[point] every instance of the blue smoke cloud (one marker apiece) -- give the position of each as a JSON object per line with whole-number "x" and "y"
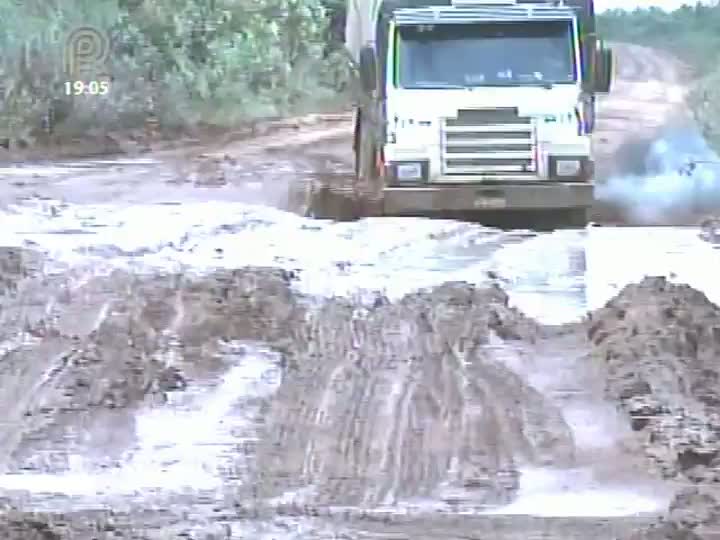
{"x": 682, "y": 177}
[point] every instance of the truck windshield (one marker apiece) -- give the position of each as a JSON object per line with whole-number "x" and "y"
{"x": 497, "y": 54}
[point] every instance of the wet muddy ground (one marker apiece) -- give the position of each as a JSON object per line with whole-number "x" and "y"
{"x": 184, "y": 353}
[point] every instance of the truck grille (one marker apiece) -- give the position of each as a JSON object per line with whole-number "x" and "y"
{"x": 488, "y": 142}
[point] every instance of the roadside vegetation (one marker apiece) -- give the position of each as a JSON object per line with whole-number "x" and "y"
{"x": 189, "y": 64}
{"x": 184, "y": 63}
{"x": 691, "y": 33}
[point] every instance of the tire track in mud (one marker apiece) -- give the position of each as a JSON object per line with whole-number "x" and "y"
{"x": 144, "y": 318}
{"x": 466, "y": 236}
{"x": 28, "y": 333}
{"x": 494, "y": 382}
{"x": 52, "y": 362}
{"x": 147, "y": 295}
{"x": 454, "y": 389}
{"x": 404, "y": 351}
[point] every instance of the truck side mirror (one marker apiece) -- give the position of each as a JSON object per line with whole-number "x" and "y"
{"x": 368, "y": 68}
{"x": 604, "y": 69}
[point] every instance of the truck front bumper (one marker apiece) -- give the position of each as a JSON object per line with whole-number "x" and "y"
{"x": 439, "y": 198}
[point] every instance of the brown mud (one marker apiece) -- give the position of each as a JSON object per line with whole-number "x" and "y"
{"x": 376, "y": 405}
{"x": 662, "y": 361}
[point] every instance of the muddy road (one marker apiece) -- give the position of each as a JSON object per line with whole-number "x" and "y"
{"x": 185, "y": 353}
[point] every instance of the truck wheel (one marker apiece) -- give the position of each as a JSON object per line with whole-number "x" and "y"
{"x": 367, "y": 192}
{"x": 357, "y": 137}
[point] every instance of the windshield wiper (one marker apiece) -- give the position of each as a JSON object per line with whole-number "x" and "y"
{"x": 546, "y": 85}
{"x": 438, "y": 86}
{"x": 443, "y": 86}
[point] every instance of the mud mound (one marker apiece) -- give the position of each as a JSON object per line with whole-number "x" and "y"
{"x": 15, "y": 525}
{"x": 694, "y": 515}
{"x": 16, "y": 264}
{"x": 140, "y": 523}
{"x": 146, "y": 337}
{"x": 402, "y": 401}
{"x": 660, "y": 343}
{"x": 665, "y": 531}
{"x": 694, "y": 508}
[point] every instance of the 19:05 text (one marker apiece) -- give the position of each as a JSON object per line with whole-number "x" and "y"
{"x": 93, "y": 88}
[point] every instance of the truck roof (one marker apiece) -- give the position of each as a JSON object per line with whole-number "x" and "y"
{"x": 466, "y": 12}
{"x": 387, "y": 7}
{"x": 364, "y": 17}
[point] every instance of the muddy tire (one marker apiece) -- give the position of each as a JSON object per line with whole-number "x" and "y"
{"x": 368, "y": 188}
{"x": 574, "y": 218}
{"x": 326, "y": 203}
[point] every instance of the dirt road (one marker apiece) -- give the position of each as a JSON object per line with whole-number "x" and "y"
{"x": 645, "y": 139}
{"x": 648, "y": 95}
{"x": 184, "y": 354}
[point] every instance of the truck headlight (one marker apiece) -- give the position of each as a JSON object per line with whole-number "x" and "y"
{"x": 568, "y": 167}
{"x": 572, "y": 168}
{"x": 408, "y": 171}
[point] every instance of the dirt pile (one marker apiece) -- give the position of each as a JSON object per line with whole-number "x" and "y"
{"x": 375, "y": 404}
{"x": 401, "y": 401}
{"x": 73, "y": 379}
{"x": 694, "y": 514}
{"x": 16, "y": 264}
{"x": 77, "y": 376}
{"x": 16, "y": 525}
{"x": 660, "y": 343}
{"x": 141, "y": 523}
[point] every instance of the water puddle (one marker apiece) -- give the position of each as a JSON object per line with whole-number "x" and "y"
{"x": 573, "y": 493}
{"x": 554, "y": 277}
{"x": 559, "y": 277}
{"x": 601, "y": 480}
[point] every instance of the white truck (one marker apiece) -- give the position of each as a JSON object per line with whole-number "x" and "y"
{"x": 476, "y": 105}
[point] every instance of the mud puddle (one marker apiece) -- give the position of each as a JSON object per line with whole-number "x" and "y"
{"x": 560, "y": 276}
{"x": 601, "y": 479}
{"x": 554, "y": 277}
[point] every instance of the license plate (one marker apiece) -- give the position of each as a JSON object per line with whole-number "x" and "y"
{"x": 482, "y": 201}
{"x": 409, "y": 171}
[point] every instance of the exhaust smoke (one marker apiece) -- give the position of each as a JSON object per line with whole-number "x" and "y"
{"x": 676, "y": 177}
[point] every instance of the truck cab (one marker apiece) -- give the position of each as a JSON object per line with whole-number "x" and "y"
{"x": 474, "y": 105}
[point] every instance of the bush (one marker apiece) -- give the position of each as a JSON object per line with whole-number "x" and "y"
{"x": 184, "y": 61}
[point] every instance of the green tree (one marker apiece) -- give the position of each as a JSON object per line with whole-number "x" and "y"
{"x": 216, "y": 61}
